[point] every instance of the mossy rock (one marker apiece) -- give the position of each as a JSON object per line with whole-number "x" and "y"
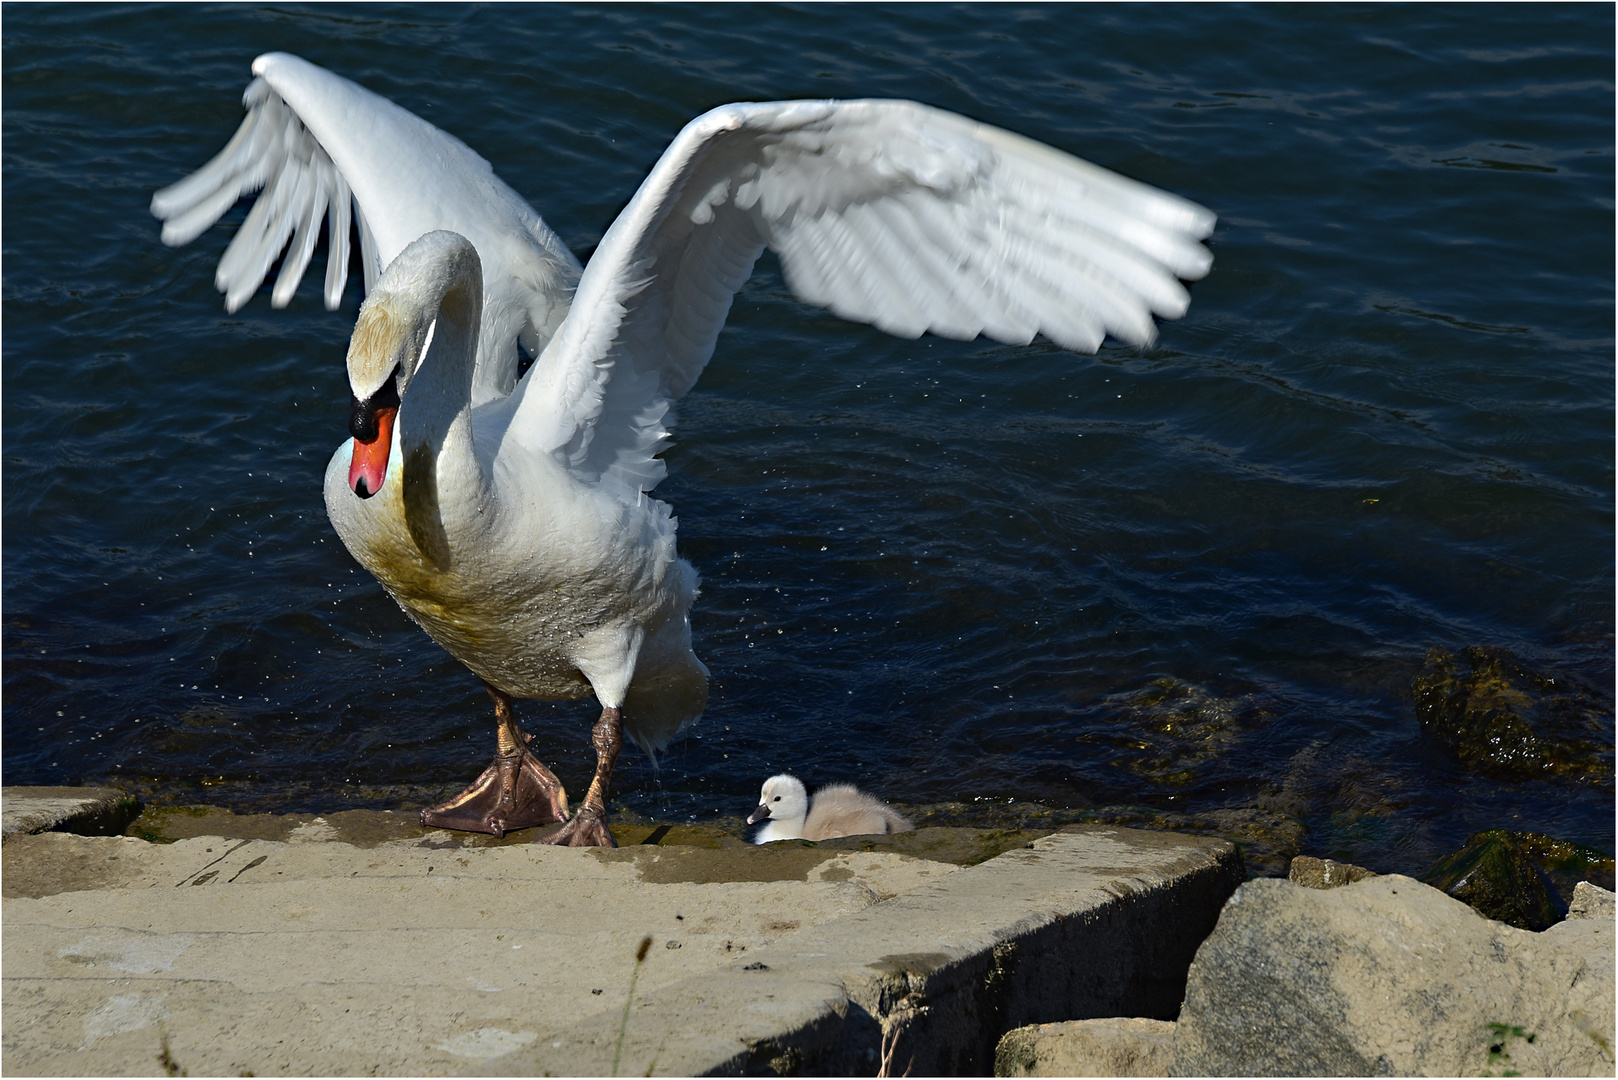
{"x": 1267, "y": 839}
{"x": 712, "y": 835}
{"x": 1499, "y": 718}
{"x": 1522, "y": 879}
{"x": 958, "y": 845}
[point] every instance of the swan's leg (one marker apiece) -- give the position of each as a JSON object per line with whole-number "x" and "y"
{"x": 589, "y": 826}
{"x": 515, "y": 792}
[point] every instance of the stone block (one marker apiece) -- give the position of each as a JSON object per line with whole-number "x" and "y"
{"x": 1314, "y": 873}
{"x": 1092, "y": 921}
{"x": 309, "y": 955}
{"x": 1112, "y": 1046}
{"x": 1388, "y": 976}
{"x": 1591, "y": 902}
{"x": 89, "y": 811}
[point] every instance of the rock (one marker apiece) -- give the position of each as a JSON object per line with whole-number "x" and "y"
{"x": 1388, "y": 976}
{"x": 1314, "y": 873}
{"x": 1590, "y": 902}
{"x": 1519, "y": 878}
{"x": 1267, "y": 839}
{"x": 1499, "y": 881}
{"x": 1115, "y": 1046}
{"x": 1501, "y": 719}
{"x": 961, "y": 846}
{"x": 89, "y": 811}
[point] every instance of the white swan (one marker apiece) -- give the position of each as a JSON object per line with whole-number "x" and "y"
{"x": 837, "y": 810}
{"x": 516, "y": 527}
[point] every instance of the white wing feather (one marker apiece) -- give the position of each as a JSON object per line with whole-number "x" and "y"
{"x": 314, "y": 143}
{"x": 886, "y": 212}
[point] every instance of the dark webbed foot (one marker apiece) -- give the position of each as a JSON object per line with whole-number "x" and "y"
{"x": 515, "y": 792}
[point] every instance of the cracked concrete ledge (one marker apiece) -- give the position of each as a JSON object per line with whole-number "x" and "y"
{"x": 90, "y": 811}
{"x": 1091, "y": 921}
{"x": 313, "y": 956}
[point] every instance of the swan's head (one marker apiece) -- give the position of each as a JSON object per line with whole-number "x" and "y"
{"x": 374, "y": 371}
{"x": 439, "y": 275}
{"x": 783, "y": 798}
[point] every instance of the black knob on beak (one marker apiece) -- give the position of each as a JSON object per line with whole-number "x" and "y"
{"x": 362, "y": 414}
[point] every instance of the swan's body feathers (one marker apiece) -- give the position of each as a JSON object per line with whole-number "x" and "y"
{"x": 533, "y": 580}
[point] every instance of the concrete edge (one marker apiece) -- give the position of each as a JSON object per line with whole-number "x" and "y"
{"x": 88, "y": 811}
{"x": 1079, "y": 924}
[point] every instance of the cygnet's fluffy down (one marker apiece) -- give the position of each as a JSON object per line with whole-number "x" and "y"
{"x": 837, "y": 810}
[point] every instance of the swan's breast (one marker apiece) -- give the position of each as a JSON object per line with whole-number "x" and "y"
{"x": 510, "y": 617}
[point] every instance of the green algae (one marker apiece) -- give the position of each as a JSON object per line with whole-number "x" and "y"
{"x": 1519, "y": 878}
{"x": 1500, "y": 718}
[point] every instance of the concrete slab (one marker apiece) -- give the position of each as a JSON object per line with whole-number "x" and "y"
{"x": 90, "y": 810}
{"x": 1093, "y": 921}
{"x": 320, "y": 957}
{"x": 311, "y": 956}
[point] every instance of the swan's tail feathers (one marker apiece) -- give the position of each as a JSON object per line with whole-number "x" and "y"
{"x": 661, "y": 706}
{"x": 670, "y": 687}
{"x": 274, "y": 154}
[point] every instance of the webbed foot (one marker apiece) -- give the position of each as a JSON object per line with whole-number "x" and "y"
{"x": 587, "y": 829}
{"x": 515, "y": 792}
{"x": 589, "y": 826}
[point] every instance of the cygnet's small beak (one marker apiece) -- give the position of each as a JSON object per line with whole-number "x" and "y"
{"x": 759, "y": 815}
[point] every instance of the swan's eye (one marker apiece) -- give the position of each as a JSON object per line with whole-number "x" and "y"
{"x": 776, "y": 799}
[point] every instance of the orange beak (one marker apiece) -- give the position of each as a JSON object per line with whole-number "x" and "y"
{"x": 368, "y": 465}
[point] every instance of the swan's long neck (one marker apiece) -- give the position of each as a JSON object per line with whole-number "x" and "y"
{"x": 419, "y": 327}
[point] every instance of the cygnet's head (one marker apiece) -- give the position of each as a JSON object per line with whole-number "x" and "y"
{"x": 783, "y": 798}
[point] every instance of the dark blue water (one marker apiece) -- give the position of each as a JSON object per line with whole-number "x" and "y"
{"x": 1192, "y": 578}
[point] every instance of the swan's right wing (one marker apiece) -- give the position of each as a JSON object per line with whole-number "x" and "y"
{"x": 887, "y": 212}
{"x": 314, "y": 144}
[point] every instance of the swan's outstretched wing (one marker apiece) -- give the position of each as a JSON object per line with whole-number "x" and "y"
{"x": 314, "y": 142}
{"x": 886, "y": 212}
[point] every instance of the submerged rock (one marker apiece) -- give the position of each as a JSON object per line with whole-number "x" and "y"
{"x": 1522, "y": 879}
{"x": 1388, "y": 976}
{"x": 1501, "y": 719}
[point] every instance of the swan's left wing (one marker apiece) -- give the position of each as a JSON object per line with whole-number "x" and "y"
{"x": 275, "y": 151}
{"x": 887, "y": 212}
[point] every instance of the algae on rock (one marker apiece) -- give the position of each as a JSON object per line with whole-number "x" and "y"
{"x": 1519, "y": 878}
{"x": 1499, "y": 718}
